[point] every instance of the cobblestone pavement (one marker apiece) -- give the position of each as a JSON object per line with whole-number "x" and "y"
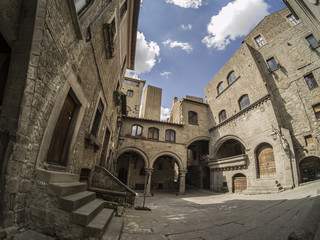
{"x": 204, "y": 215}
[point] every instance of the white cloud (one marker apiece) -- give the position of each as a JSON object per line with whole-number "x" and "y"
{"x": 132, "y": 74}
{"x": 184, "y": 46}
{"x": 186, "y": 3}
{"x": 234, "y": 20}
{"x": 186, "y": 27}
{"x": 165, "y": 113}
{"x": 146, "y": 54}
{"x": 165, "y": 74}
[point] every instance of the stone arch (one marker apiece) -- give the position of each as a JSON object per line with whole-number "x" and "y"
{"x": 136, "y": 150}
{"x": 309, "y": 169}
{"x": 171, "y": 154}
{"x": 204, "y": 138}
{"x": 265, "y": 161}
{"x": 223, "y": 139}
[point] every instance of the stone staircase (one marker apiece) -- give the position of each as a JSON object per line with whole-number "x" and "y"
{"x": 84, "y": 214}
{"x": 264, "y": 186}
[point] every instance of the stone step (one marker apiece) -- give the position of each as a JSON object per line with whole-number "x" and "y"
{"x": 64, "y": 189}
{"x": 120, "y": 211}
{"x": 55, "y": 177}
{"x": 114, "y": 229}
{"x": 251, "y": 191}
{"x": 77, "y": 200}
{"x": 86, "y": 213}
{"x": 98, "y": 225}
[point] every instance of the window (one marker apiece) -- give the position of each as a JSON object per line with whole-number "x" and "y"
{"x": 170, "y": 135}
{"x": 192, "y": 117}
{"x": 153, "y": 133}
{"x": 244, "y": 102}
{"x": 312, "y": 41}
{"x": 220, "y": 87}
{"x": 293, "y": 19}
{"x": 81, "y": 5}
{"x": 222, "y": 116}
{"x": 311, "y": 82}
{"x": 136, "y": 130}
{"x": 272, "y": 64}
{"x": 259, "y": 40}
{"x": 109, "y": 30}
{"x": 123, "y": 9}
{"x": 231, "y": 77}
{"x": 308, "y": 140}
{"x": 129, "y": 93}
{"x": 316, "y": 109}
{"x": 97, "y": 119}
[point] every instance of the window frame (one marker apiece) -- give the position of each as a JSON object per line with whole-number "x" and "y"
{"x": 247, "y": 101}
{"x": 135, "y": 129}
{"x": 316, "y": 110}
{"x": 152, "y": 131}
{"x": 313, "y": 43}
{"x": 310, "y": 81}
{"x": 222, "y": 115}
{"x": 231, "y": 77}
{"x": 220, "y": 88}
{"x": 273, "y": 61}
{"x": 97, "y": 118}
{"x": 83, "y": 8}
{"x": 260, "y": 41}
{"x": 129, "y": 93}
{"x": 171, "y": 137}
{"x": 123, "y": 9}
{"x": 293, "y": 20}
{"x": 193, "y": 119}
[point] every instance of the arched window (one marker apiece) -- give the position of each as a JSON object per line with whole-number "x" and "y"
{"x": 153, "y": 133}
{"x": 170, "y": 135}
{"x": 136, "y": 130}
{"x": 231, "y": 77}
{"x": 192, "y": 117}
{"x": 244, "y": 102}
{"x": 220, "y": 87}
{"x": 129, "y": 93}
{"x": 222, "y": 116}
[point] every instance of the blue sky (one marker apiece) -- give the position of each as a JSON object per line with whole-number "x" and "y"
{"x": 182, "y": 44}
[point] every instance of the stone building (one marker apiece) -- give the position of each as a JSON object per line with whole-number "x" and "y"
{"x": 62, "y": 69}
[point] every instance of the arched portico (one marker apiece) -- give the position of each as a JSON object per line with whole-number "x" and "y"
{"x": 224, "y": 139}
{"x": 309, "y": 168}
{"x": 136, "y": 150}
{"x": 201, "y": 138}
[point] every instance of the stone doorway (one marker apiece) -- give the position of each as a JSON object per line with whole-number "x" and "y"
{"x": 309, "y": 169}
{"x": 266, "y": 166}
{"x": 239, "y": 183}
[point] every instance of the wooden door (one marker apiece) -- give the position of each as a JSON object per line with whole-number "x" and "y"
{"x": 59, "y": 142}
{"x": 239, "y": 184}
{"x": 266, "y": 163}
{"x": 105, "y": 149}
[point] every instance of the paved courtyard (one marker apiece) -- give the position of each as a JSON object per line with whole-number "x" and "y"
{"x": 204, "y": 215}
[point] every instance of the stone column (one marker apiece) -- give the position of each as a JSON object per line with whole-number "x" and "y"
{"x": 147, "y": 183}
{"x": 130, "y": 169}
{"x": 182, "y": 187}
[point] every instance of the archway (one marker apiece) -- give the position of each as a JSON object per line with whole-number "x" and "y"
{"x": 230, "y": 148}
{"x": 266, "y": 166}
{"x": 165, "y": 175}
{"x": 131, "y": 170}
{"x": 239, "y": 183}
{"x": 309, "y": 169}
{"x": 198, "y": 175}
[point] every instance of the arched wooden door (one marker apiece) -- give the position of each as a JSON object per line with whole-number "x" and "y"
{"x": 239, "y": 183}
{"x": 265, "y": 160}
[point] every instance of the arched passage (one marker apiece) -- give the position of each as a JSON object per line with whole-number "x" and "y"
{"x": 130, "y": 169}
{"x": 265, "y": 160}
{"x": 198, "y": 175}
{"x": 309, "y": 169}
{"x": 239, "y": 183}
{"x": 230, "y": 148}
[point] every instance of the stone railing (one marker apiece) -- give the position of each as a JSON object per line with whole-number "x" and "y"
{"x": 110, "y": 188}
{"x": 229, "y": 163}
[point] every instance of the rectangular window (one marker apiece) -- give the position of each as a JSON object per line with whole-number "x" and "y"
{"x": 272, "y": 64}
{"x": 309, "y": 140}
{"x": 316, "y": 109}
{"x": 110, "y": 31}
{"x": 293, "y": 19}
{"x": 311, "y": 82}
{"x": 259, "y": 40}
{"x": 312, "y": 41}
{"x": 97, "y": 119}
{"x": 123, "y": 9}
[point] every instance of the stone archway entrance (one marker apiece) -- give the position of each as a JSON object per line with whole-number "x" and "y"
{"x": 265, "y": 161}
{"x": 309, "y": 169}
{"x": 198, "y": 175}
{"x": 131, "y": 170}
{"x": 239, "y": 183}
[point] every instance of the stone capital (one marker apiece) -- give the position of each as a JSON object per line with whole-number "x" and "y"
{"x": 149, "y": 170}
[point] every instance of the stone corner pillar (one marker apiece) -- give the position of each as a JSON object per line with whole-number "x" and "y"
{"x": 147, "y": 183}
{"x": 182, "y": 187}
